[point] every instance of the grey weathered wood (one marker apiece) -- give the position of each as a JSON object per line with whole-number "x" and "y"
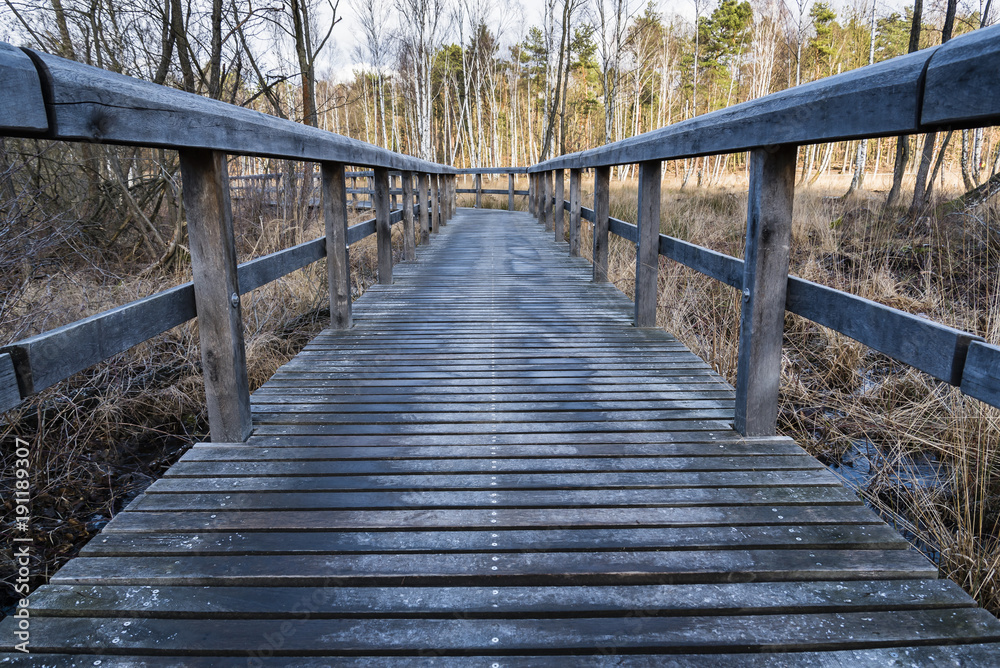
{"x": 602, "y": 184}
{"x": 981, "y": 378}
{"x": 409, "y": 240}
{"x": 574, "y": 212}
{"x": 721, "y": 267}
{"x": 558, "y": 205}
{"x": 354, "y": 193}
{"x": 479, "y": 190}
{"x": 338, "y": 266}
{"x": 491, "y": 170}
{"x": 383, "y": 226}
{"x": 22, "y": 108}
{"x": 877, "y": 100}
{"x": 961, "y": 83}
{"x": 216, "y": 289}
{"x": 647, "y": 256}
{"x": 10, "y": 395}
{"x": 765, "y": 276}
{"x": 435, "y": 204}
{"x": 91, "y": 104}
{"x": 452, "y": 195}
{"x": 510, "y": 192}
{"x": 531, "y": 193}
{"x": 547, "y": 194}
{"x": 425, "y": 201}
{"x": 392, "y": 192}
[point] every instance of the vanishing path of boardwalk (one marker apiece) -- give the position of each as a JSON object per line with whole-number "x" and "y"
{"x": 494, "y": 462}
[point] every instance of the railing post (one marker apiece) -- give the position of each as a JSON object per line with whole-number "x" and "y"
{"x": 425, "y": 205}
{"x": 548, "y": 190}
{"x": 338, "y": 268}
{"x": 354, "y": 194}
{"x": 479, "y": 190}
{"x": 647, "y": 252}
{"x": 574, "y": 212}
{"x": 452, "y": 196}
{"x": 216, "y": 290}
{"x": 435, "y": 206}
{"x": 602, "y": 183}
{"x": 409, "y": 240}
{"x": 510, "y": 191}
{"x": 531, "y": 194}
{"x": 765, "y": 276}
{"x": 558, "y": 208}
{"x": 392, "y": 193}
{"x": 383, "y": 228}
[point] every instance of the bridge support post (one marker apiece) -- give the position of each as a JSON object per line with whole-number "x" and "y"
{"x": 452, "y": 195}
{"x": 602, "y": 185}
{"x": 216, "y": 291}
{"x": 558, "y": 208}
{"x": 531, "y": 194}
{"x": 510, "y": 191}
{"x": 574, "y": 212}
{"x": 383, "y": 226}
{"x": 392, "y": 194}
{"x": 409, "y": 240}
{"x": 425, "y": 205}
{"x": 479, "y": 191}
{"x": 435, "y": 206}
{"x": 765, "y": 276}
{"x": 338, "y": 268}
{"x": 540, "y": 198}
{"x": 548, "y": 189}
{"x": 647, "y": 252}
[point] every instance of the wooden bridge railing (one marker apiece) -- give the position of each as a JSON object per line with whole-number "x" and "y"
{"x": 956, "y": 85}
{"x": 46, "y": 97}
{"x": 478, "y": 172}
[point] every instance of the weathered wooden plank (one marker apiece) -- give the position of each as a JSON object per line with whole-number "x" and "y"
{"x": 479, "y": 190}
{"x": 510, "y": 192}
{"x": 383, "y": 227}
{"x": 879, "y": 100}
{"x": 484, "y": 191}
{"x": 362, "y": 230}
{"x": 765, "y": 275}
{"x": 424, "y": 208}
{"x": 338, "y": 266}
{"x": 409, "y": 238}
{"x": 91, "y": 104}
{"x": 216, "y": 287}
{"x": 10, "y": 395}
{"x": 547, "y": 195}
{"x": 602, "y": 192}
{"x": 558, "y": 205}
{"x": 960, "y": 86}
{"x": 22, "y": 108}
{"x": 721, "y": 267}
{"x": 647, "y": 256}
{"x": 435, "y": 204}
{"x": 491, "y": 170}
{"x": 981, "y": 378}
{"x": 574, "y": 212}
{"x": 531, "y": 193}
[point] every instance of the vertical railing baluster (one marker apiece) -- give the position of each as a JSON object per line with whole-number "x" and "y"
{"x": 479, "y": 190}
{"x": 425, "y": 202}
{"x": 547, "y": 195}
{"x": 409, "y": 239}
{"x": 574, "y": 212}
{"x": 338, "y": 269}
{"x": 435, "y": 205}
{"x": 531, "y": 194}
{"x": 354, "y": 194}
{"x": 383, "y": 227}
{"x": 216, "y": 288}
{"x": 765, "y": 276}
{"x": 510, "y": 191}
{"x": 558, "y": 206}
{"x": 602, "y": 183}
{"x": 647, "y": 252}
{"x": 452, "y": 196}
{"x": 392, "y": 192}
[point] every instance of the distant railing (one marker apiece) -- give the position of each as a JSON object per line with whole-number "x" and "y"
{"x": 955, "y": 85}
{"x": 46, "y": 97}
{"x": 477, "y": 188}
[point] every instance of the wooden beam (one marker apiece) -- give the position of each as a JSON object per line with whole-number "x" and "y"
{"x": 216, "y": 289}
{"x": 425, "y": 201}
{"x": 961, "y": 83}
{"x": 647, "y": 255}
{"x": 22, "y": 108}
{"x": 558, "y": 206}
{"x": 549, "y": 190}
{"x": 531, "y": 193}
{"x": 765, "y": 277}
{"x": 981, "y": 378}
{"x": 10, "y": 395}
{"x": 435, "y": 205}
{"x": 409, "y": 239}
{"x": 510, "y": 192}
{"x": 338, "y": 266}
{"x": 383, "y": 227}
{"x": 479, "y": 190}
{"x": 574, "y": 212}
{"x": 602, "y": 183}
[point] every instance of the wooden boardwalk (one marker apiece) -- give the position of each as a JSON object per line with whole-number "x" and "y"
{"x": 494, "y": 468}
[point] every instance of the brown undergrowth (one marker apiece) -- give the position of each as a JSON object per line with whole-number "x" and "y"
{"x": 101, "y": 437}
